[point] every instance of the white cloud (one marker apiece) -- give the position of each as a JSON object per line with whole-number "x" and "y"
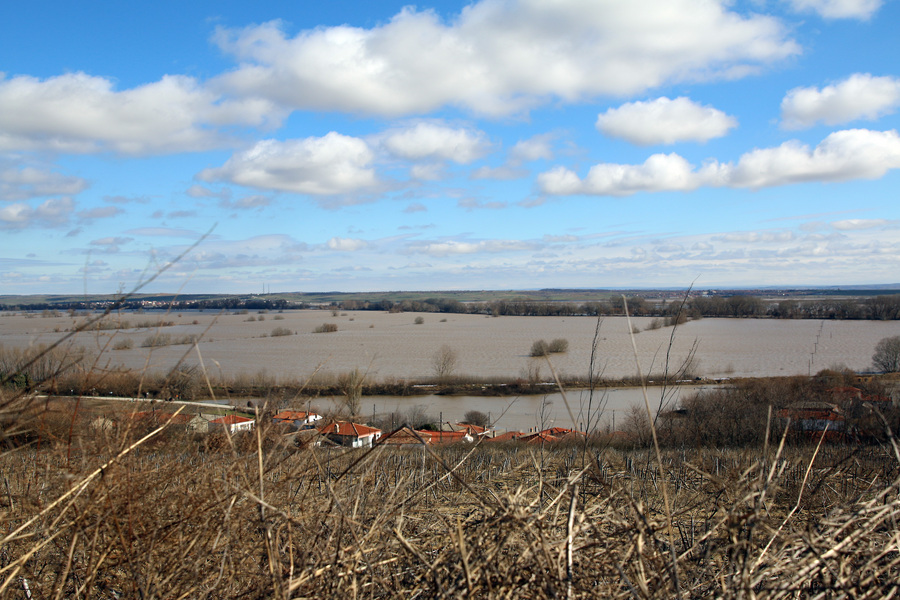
{"x": 665, "y": 121}
{"x": 346, "y": 244}
{"x": 80, "y": 113}
{"x": 842, "y": 156}
{"x": 860, "y": 96}
{"x": 429, "y": 140}
{"x": 453, "y": 247}
{"x": 660, "y": 172}
{"x": 50, "y": 213}
{"x": 499, "y": 57}
{"x": 838, "y": 9}
{"x": 534, "y": 148}
{"x": 332, "y": 164}
{"x": 22, "y": 183}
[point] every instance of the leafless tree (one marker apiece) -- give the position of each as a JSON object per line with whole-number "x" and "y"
{"x": 444, "y": 361}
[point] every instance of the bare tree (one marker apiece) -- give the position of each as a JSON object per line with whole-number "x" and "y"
{"x": 887, "y": 354}
{"x": 476, "y": 417}
{"x": 444, "y": 361}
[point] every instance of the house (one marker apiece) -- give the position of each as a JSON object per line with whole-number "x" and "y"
{"x": 349, "y": 434}
{"x": 405, "y": 436}
{"x": 448, "y": 437}
{"x": 509, "y": 436}
{"x": 298, "y": 419}
{"x": 231, "y": 424}
{"x": 815, "y": 417}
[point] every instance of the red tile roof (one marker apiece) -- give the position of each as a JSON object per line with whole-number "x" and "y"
{"x": 348, "y": 429}
{"x": 407, "y": 436}
{"x": 505, "y": 437}
{"x": 445, "y": 437}
{"x": 294, "y": 415}
{"x": 231, "y": 420}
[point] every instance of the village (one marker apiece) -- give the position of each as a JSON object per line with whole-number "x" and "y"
{"x": 843, "y": 413}
{"x": 311, "y": 429}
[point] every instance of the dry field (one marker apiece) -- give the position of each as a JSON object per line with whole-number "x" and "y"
{"x": 92, "y": 513}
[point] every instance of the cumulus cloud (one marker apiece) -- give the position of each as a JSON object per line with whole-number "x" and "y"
{"x": 860, "y": 96}
{"x": 499, "y": 57}
{"x": 842, "y": 156}
{"x": 23, "y": 183}
{"x": 50, "y": 213}
{"x": 838, "y": 9}
{"x": 660, "y": 172}
{"x": 332, "y": 164}
{"x": 665, "y": 121}
{"x": 430, "y": 140}
{"x": 80, "y": 113}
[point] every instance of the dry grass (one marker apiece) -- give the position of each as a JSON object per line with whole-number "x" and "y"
{"x": 91, "y": 512}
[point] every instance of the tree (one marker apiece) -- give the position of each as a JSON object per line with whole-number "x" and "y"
{"x": 444, "y": 361}
{"x": 887, "y": 354}
{"x": 476, "y": 417}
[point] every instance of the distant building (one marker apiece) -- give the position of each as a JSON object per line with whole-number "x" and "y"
{"x": 349, "y": 434}
{"x": 231, "y": 423}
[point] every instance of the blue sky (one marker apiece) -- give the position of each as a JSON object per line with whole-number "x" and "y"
{"x": 501, "y": 144}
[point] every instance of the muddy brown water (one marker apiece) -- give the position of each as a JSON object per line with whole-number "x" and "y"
{"x": 393, "y": 346}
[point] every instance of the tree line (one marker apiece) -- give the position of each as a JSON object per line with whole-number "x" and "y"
{"x": 885, "y": 307}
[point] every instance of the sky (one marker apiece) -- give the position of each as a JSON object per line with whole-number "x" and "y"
{"x": 499, "y": 144}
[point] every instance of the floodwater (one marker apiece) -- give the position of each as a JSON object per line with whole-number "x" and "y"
{"x": 607, "y": 408}
{"x": 393, "y": 347}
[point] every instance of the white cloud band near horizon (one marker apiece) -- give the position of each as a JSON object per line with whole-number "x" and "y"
{"x": 842, "y": 156}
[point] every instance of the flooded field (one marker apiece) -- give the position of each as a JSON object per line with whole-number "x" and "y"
{"x": 394, "y": 346}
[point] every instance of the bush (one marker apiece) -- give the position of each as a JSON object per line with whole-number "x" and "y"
{"x": 157, "y": 340}
{"x": 558, "y": 345}
{"x": 124, "y": 344}
{"x": 281, "y": 331}
{"x": 420, "y": 320}
{"x": 326, "y": 328}
{"x": 540, "y": 348}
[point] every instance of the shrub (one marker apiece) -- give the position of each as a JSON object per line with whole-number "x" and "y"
{"x": 420, "y": 320}
{"x": 157, "y": 340}
{"x": 558, "y": 345}
{"x": 124, "y": 344}
{"x": 540, "y": 348}
{"x": 326, "y": 328}
{"x": 278, "y": 318}
{"x": 281, "y": 331}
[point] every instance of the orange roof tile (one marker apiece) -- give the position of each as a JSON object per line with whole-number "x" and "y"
{"x": 231, "y": 420}
{"x": 349, "y": 429}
